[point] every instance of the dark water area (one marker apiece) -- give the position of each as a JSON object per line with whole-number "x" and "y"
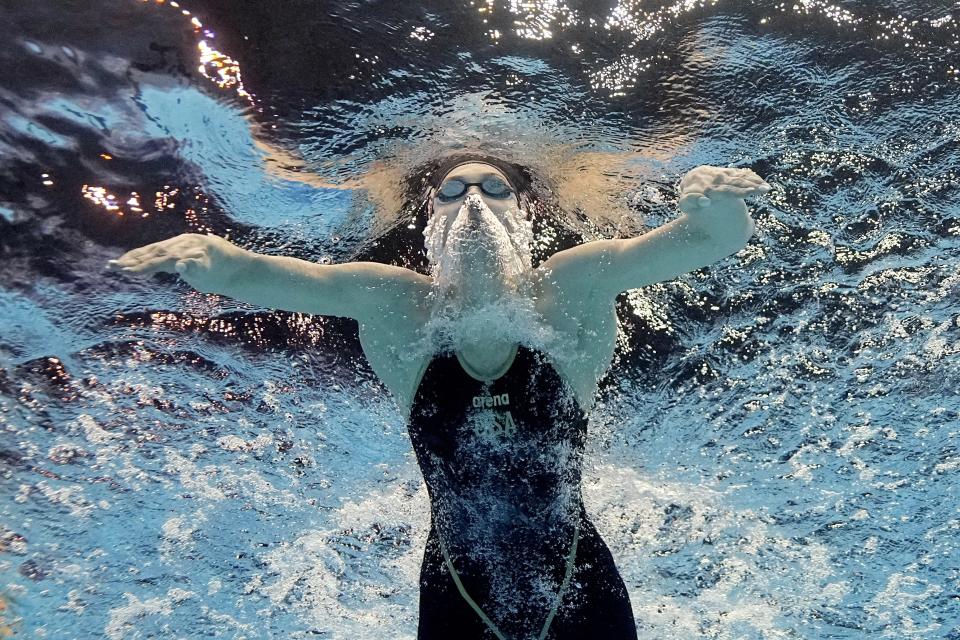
{"x": 775, "y": 454}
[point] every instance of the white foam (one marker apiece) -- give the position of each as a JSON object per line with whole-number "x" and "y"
{"x": 477, "y": 246}
{"x": 124, "y": 619}
{"x": 656, "y": 523}
{"x": 480, "y": 263}
{"x": 94, "y": 432}
{"x": 236, "y": 443}
{"x": 349, "y": 578}
{"x": 511, "y": 319}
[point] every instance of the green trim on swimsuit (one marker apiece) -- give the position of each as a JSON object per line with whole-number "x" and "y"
{"x": 560, "y": 593}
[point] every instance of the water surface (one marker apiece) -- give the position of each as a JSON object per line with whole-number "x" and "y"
{"x": 776, "y": 456}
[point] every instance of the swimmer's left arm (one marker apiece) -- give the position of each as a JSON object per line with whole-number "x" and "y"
{"x": 364, "y": 291}
{"x": 715, "y": 224}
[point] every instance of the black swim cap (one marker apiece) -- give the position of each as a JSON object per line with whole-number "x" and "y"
{"x": 518, "y": 177}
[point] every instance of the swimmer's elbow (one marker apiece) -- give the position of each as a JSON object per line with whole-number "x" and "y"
{"x": 670, "y": 251}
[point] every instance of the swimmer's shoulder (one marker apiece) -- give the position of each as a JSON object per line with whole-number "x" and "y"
{"x": 385, "y": 292}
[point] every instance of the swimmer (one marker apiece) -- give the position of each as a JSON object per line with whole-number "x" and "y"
{"x": 497, "y": 421}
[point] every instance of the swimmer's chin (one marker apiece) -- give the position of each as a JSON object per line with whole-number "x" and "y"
{"x": 454, "y": 293}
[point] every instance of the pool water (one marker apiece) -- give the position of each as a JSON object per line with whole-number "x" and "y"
{"x": 776, "y": 455}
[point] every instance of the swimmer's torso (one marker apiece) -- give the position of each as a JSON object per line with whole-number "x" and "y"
{"x": 502, "y": 464}
{"x": 587, "y": 330}
{"x": 511, "y": 445}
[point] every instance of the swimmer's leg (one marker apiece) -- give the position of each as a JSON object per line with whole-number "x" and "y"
{"x": 443, "y": 611}
{"x": 596, "y": 604}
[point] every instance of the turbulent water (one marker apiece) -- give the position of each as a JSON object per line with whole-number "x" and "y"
{"x": 776, "y": 455}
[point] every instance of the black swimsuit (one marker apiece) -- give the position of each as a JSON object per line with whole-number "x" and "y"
{"x": 502, "y": 464}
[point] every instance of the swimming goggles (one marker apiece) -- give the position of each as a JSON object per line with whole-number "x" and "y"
{"x": 493, "y": 187}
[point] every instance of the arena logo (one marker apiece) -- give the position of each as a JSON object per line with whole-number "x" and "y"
{"x": 486, "y": 402}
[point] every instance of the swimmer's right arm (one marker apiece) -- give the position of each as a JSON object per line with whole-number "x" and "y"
{"x": 211, "y": 264}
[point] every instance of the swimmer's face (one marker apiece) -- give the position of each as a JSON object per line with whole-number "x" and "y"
{"x": 484, "y": 180}
{"x": 477, "y": 226}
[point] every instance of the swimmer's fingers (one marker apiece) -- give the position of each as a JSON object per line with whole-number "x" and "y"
{"x": 133, "y": 256}
{"x": 743, "y": 174}
{"x": 739, "y": 189}
{"x": 183, "y": 262}
{"x": 156, "y": 264}
{"x": 715, "y": 199}
{"x": 146, "y": 257}
{"x": 147, "y": 252}
{"x": 702, "y": 176}
{"x": 705, "y": 177}
{"x": 742, "y": 181}
{"x": 729, "y": 185}
{"x": 208, "y": 263}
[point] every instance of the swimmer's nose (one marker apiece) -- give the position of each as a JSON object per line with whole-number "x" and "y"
{"x": 474, "y": 202}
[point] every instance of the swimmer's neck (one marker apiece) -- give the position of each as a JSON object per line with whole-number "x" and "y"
{"x": 481, "y": 282}
{"x": 478, "y": 291}
{"x": 483, "y": 347}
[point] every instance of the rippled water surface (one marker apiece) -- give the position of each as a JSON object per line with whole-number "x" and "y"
{"x": 776, "y": 455}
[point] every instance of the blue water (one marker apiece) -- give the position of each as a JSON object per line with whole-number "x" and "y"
{"x": 776, "y": 458}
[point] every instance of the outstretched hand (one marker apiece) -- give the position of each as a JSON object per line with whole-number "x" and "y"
{"x": 705, "y": 189}
{"x": 205, "y": 262}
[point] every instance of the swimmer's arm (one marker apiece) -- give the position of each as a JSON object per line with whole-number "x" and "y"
{"x": 360, "y": 290}
{"x": 715, "y": 224}
{"x": 364, "y": 291}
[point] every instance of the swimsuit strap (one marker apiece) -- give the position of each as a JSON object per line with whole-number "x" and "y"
{"x": 560, "y": 593}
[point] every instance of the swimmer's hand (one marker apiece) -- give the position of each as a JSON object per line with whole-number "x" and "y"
{"x": 208, "y": 263}
{"x": 710, "y": 195}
